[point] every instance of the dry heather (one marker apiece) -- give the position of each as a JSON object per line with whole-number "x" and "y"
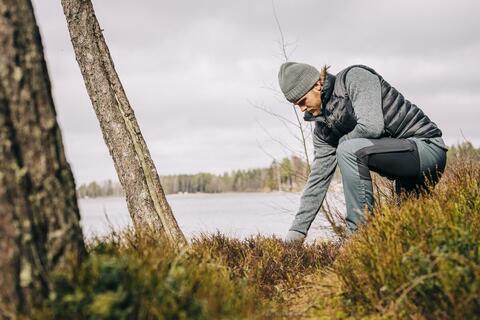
{"x": 420, "y": 260}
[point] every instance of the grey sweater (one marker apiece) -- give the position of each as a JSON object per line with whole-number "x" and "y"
{"x": 364, "y": 90}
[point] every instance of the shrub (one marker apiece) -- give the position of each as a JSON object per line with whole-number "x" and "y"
{"x": 140, "y": 276}
{"x": 126, "y": 277}
{"x": 269, "y": 264}
{"x": 421, "y": 259}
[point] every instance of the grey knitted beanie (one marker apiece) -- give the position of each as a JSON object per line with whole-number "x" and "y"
{"x": 296, "y": 79}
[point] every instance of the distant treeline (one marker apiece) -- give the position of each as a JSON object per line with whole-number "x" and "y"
{"x": 100, "y": 189}
{"x": 288, "y": 175}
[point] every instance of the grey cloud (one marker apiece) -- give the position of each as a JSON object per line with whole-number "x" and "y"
{"x": 190, "y": 68}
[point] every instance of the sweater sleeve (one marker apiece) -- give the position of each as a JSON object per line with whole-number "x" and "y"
{"x": 322, "y": 170}
{"x": 364, "y": 90}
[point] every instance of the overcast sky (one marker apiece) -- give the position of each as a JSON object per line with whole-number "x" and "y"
{"x": 193, "y": 69}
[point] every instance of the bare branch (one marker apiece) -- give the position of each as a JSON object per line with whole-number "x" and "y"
{"x": 280, "y": 142}
{"x": 282, "y": 38}
{"x": 303, "y": 138}
{"x": 278, "y": 116}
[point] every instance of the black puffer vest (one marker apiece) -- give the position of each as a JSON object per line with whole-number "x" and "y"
{"x": 402, "y": 119}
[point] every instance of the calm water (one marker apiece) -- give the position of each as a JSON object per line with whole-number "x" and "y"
{"x": 235, "y": 214}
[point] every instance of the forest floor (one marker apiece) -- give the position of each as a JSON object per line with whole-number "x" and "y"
{"x": 420, "y": 260}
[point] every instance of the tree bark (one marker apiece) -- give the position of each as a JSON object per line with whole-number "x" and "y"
{"x": 146, "y": 200}
{"x": 39, "y": 216}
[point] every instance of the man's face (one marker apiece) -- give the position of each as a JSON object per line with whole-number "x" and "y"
{"x": 311, "y": 102}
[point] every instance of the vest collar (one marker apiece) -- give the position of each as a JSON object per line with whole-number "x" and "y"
{"x": 326, "y": 93}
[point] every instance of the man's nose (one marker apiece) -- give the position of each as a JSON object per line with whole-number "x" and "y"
{"x": 303, "y": 108}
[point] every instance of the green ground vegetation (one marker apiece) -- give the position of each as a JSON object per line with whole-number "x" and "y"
{"x": 131, "y": 276}
{"x": 417, "y": 260}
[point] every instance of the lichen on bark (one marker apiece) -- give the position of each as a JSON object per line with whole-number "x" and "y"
{"x": 145, "y": 197}
{"x": 39, "y": 216}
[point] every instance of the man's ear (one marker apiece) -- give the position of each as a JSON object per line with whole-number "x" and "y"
{"x": 318, "y": 86}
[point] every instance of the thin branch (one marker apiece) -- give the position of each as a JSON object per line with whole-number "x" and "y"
{"x": 303, "y": 138}
{"x": 278, "y": 116}
{"x": 463, "y": 136}
{"x": 265, "y": 150}
{"x": 280, "y": 142}
{"x": 282, "y": 38}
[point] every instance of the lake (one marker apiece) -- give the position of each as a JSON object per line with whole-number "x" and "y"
{"x": 235, "y": 214}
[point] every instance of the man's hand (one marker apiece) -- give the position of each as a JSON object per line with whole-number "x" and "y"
{"x": 294, "y": 236}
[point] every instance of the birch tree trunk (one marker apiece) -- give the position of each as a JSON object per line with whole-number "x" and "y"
{"x": 146, "y": 200}
{"x": 39, "y": 216}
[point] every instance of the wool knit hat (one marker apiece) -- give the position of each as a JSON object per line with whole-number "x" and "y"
{"x": 296, "y": 79}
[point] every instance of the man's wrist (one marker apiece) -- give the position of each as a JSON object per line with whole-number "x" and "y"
{"x": 294, "y": 236}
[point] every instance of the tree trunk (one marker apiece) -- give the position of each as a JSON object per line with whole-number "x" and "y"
{"x": 39, "y": 216}
{"x": 146, "y": 200}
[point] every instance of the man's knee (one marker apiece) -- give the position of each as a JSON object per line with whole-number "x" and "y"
{"x": 348, "y": 148}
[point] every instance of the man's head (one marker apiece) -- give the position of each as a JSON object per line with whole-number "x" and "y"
{"x": 300, "y": 83}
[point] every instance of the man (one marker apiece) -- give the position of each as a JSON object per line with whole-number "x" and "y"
{"x": 361, "y": 123}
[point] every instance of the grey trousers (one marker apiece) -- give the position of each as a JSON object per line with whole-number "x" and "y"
{"x": 412, "y": 163}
